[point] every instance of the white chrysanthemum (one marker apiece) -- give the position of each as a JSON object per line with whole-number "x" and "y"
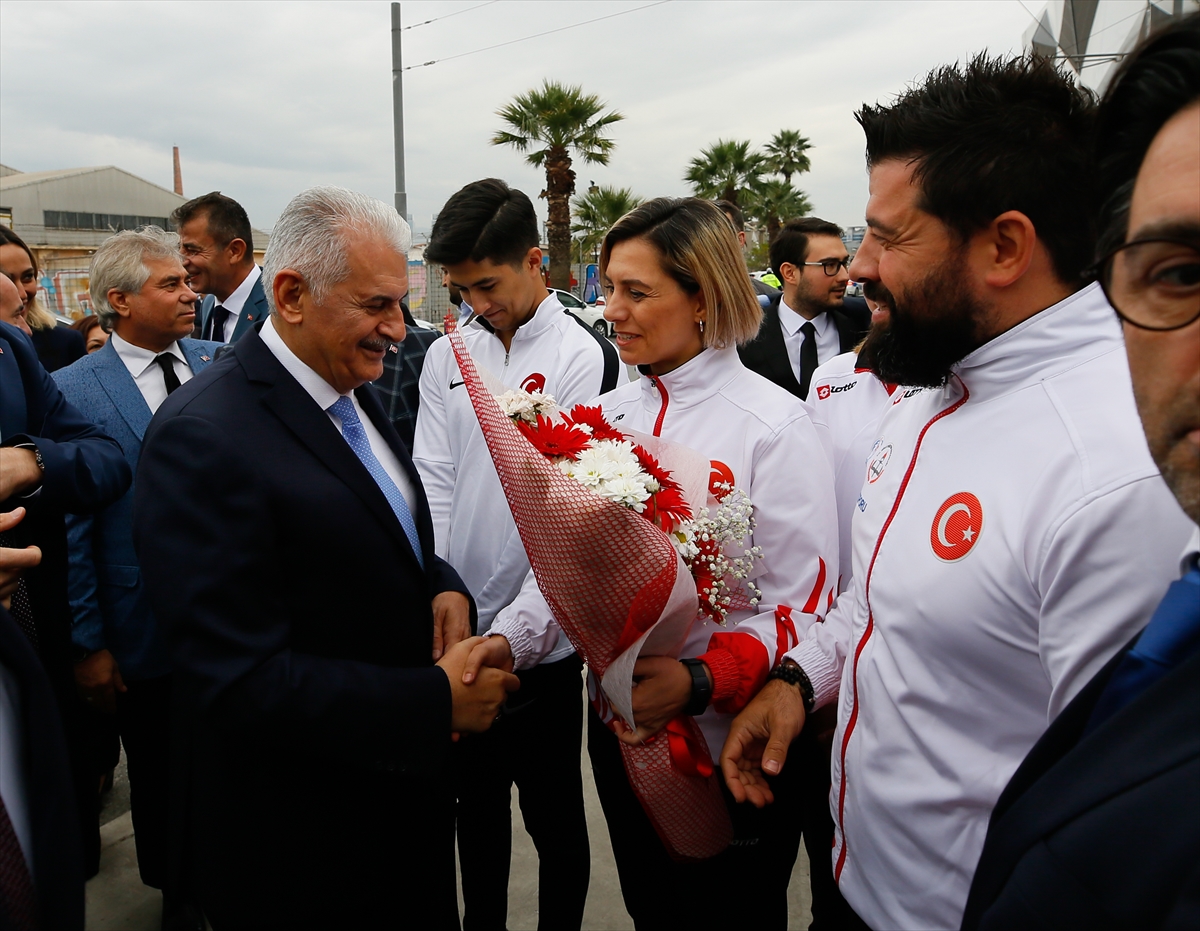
{"x": 523, "y": 405}
{"x": 626, "y": 491}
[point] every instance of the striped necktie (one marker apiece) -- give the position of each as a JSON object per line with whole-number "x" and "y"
{"x": 356, "y": 437}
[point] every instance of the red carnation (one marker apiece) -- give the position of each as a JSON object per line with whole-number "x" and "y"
{"x": 654, "y": 470}
{"x": 554, "y": 439}
{"x": 667, "y": 508}
{"x": 593, "y": 417}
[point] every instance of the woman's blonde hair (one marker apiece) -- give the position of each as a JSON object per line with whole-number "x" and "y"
{"x": 700, "y": 251}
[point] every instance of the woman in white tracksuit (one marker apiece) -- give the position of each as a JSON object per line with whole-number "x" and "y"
{"x": 680, "y": 301}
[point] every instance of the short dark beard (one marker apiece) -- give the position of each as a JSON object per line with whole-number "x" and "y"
{"x": 936, "y": 325}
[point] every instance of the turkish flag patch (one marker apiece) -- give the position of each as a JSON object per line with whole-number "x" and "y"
{"x": 956, "y": 527}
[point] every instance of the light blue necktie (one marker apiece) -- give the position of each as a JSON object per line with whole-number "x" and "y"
{"x": 356, "y": 437}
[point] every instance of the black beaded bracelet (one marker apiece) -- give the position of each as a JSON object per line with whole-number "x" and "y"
{"x": 792, "y": 674}
{"x": 701, "y": 687}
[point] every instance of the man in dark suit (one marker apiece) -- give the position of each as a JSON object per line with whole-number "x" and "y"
{"x": 1100, "y": 825}
{"x": 218, "y": 252}
{"x": 810, "y": 322}
{"x": 122, "y": 663}
{"x": 41, "y": 884}
{"x": 52, "y": 461}
{"x": 286, "y": 544}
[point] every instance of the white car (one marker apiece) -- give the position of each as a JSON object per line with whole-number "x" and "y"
{"x": 591, "y": 314}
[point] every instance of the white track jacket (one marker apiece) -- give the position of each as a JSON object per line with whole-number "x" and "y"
{"x": 1013, "y": 534}
{"x": 472, "y": 524}
{"x": 846, "y": 403}
{"x": 759, "y": 436}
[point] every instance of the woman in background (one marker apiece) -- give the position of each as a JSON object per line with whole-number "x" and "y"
{"x": 57, "y": 346}
{"x": 94, "y": 336}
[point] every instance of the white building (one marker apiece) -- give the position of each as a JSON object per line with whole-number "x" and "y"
{"x": 63, "y": 215}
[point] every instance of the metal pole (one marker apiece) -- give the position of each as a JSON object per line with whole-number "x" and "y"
{"x": 398, "y": 113}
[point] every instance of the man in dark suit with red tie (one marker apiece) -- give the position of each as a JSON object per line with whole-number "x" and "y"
{"x": 311, "y": 720}
{"x": 1100, "y": 825}
{"x": 810, "y": 322}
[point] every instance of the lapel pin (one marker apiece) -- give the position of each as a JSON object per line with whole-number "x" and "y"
{"x": 392, "y": 348}
{"x": 249, "y": 317}
{"x": 204, "y": 358}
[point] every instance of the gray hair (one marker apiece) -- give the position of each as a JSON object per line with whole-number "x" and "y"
{"x": 311, "y": 235}
{"x": 120, "y": 263}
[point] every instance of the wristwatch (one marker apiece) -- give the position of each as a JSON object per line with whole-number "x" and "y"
{"x": 792, "y": 674}
{"x": 701, "y": 687}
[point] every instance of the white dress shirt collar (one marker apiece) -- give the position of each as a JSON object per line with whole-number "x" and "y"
{"x": 137, "y": 359}
{"x": 792, "y": 320}
{"x": 325, "y": 395}
{"x": 148, "y": 377}
{"x": 237, "y": 300}
{"x": 314, "y": 385}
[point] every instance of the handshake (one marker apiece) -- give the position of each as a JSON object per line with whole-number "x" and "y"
{"x": 476, "y": 695}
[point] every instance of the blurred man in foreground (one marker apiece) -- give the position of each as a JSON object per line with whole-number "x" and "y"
{"x": 1117, "y": 771}
{"x": 53, "y": 460}
{"x": 994, "y": 557}
{"x": 286, "y": 544}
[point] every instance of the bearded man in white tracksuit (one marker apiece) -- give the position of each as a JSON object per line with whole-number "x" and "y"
{"x": 487, "y": 238}
{"x": 1018, "y": 533}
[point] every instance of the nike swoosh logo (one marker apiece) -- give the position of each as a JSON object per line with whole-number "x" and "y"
{"x": 455, "y": 384}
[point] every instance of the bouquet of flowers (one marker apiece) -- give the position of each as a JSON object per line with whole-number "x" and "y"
{"x": 626, "y": 565}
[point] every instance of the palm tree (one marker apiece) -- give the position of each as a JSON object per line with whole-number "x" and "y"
{"x": 776, "y": 202}
{"x": 785, "y": 154}
{"x": 727, "y": 169}
{"x": 548, "y": 123}
{"x": 597, "y": 211}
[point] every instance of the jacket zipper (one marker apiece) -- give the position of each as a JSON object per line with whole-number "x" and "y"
{"x": 662, "y": 412}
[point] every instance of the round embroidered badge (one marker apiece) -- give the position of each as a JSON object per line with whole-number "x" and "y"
{"x": 956, "y": 527}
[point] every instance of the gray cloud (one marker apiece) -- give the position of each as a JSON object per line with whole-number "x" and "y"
{"x": 265, "y": 99}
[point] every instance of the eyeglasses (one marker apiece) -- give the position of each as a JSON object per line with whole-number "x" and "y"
{"x": 1153, "y": 284}
{"x": 831, "y": 266}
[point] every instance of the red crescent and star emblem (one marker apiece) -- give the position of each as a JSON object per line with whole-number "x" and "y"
{"x": 956, "y": 527}
{"x": 720, "y": 479}
{"x": 534, "y": 382}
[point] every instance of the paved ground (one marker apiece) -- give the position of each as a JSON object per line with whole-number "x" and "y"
{"x": 116, "y": 899}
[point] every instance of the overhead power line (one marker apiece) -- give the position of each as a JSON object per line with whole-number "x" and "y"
{"x": 447, "y": 16}
{"x": 426, "y": 64}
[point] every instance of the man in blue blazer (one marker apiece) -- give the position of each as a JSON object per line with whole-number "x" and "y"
{"x": 286, "y": 544}
{"x": 52, "y": 460}
{"x": 1100, "y": 825}
{"x": 217, "y": 244}
{"x": 139, "y": 289}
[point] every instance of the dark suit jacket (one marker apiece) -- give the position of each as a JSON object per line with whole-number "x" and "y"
{"x": 58, "y": 346}
{"x": 301, "y": 632}
{"x": 85, "y": 471}
{"x": 254, "y": 311}
{"x": 1104, "y": 831}
{"x": 767, "y": 352}
{"x": 50, "y": 799}
{"x": 108, "y": 600}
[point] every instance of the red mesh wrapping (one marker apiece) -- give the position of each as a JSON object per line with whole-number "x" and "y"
{"x": 607, "y": 574}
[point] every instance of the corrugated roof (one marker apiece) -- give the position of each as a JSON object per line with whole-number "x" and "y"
{"x": 25, "y": 178}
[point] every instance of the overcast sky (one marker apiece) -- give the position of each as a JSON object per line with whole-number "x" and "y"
{"x": 266, "y": 99}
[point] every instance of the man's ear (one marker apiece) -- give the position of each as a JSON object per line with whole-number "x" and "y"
{"x": 119, "y": 301}
{"x": 1006, "y": 248}
{"x": 789, "y": 273}
{"x": 533, "y": 261}
{"x": 236, "y": 251}
{"x": 291, "y": 295}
